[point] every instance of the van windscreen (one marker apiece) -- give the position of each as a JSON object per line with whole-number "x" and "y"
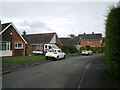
{"x": 55, "y": 47}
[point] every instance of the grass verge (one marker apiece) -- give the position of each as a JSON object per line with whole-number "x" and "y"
{"x": 22, "y": 59}
{"x": 72, "y": 53}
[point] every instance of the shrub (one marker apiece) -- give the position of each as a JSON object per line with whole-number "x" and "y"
{"x": 112, "y": 45}
{"x": 88, "y": 47}
{"x": 82, "y": 48}
{"x": 69, "y": 49}
{"x": 97, "y": 49}
{"x": 94, "y": 49}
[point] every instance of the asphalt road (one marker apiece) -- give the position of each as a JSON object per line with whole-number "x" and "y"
{"x": 66, "y": 73}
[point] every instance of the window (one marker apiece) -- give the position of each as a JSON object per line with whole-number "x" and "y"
{"x": 46, "y": 46}
{"x": 50, "y": 47}
{"x": 59, "y": 51}
{"x": 55, "y": 47}
{"x": 88, "y": 41}
{"x": 18, "y": 45}
{"x": 4, "y": 46}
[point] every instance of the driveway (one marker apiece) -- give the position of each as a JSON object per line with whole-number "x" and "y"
{"x": 65, "y": 73}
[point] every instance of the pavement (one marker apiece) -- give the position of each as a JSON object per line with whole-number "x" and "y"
{"x": 95, "y": 75}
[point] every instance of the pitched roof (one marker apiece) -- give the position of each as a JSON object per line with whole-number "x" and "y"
{"x": 90, "y": 36}
{"x": 4, "y": 26}
{"x": 39, "y": 38}
{"x": 69, "y": 41}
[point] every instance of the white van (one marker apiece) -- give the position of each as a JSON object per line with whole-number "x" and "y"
{"x": 49, "y": 46}
{"x": 42, "y": 49}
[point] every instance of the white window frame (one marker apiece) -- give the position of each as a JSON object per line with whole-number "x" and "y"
{"x": 17, "y": 45}
{"x": 7, "y": 45}
{"x": 89, "y": 41}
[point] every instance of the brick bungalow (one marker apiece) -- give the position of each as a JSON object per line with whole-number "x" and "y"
{"x": 93, "y": 40}
{"x": 36, "y": 41}
{"x": 11, "y": 42}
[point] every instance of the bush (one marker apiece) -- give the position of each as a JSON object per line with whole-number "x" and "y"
{"x": 82, "y": 48}
{"x": 69, "y": 49}
{"x": 88, "y": 47}
{"x": 97, "y": 49}
{"x": 112, "y": 45}
{"x": 94, "y": 49}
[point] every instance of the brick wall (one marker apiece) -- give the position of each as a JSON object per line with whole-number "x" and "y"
{"x": 93, "y": 43}
{"x": 11, "y": 35}
{"x": 58, "y": 43}
{"x": 28, "y": 49}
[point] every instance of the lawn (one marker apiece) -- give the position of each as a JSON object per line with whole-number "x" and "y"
{"x": 72, "y": 53}
{"x": 22, "y": 59}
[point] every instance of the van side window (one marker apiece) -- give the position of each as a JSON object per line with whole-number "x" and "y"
{"x": 50, "y": 47}
{"x": 46, "y": 46}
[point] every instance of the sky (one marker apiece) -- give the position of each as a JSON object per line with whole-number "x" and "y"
{"x": 64, "y": 18}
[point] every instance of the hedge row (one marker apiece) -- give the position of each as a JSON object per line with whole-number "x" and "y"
{"x": 112, "y": 43}
{"x": 69, "y": 49}
{"x": 94, "y": 49}
{"x": 72, "y": 49}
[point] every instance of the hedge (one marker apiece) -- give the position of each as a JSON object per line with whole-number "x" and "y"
{"x": 112, "y": 43}
{"x": 94, "y": 49}
{"x": 69, "y": 49}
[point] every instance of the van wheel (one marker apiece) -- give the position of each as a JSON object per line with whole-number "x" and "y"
{"x": 57, "y": 58}
{"x": 46, "y": 58}
{"x": 64, "y": 57}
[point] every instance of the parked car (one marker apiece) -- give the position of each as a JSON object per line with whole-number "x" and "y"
{"x": 55, "y": 54}
{"x": 86, "y": 52}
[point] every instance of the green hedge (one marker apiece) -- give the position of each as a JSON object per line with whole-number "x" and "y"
{"x": 112, "y": 43}
{"x": 94, "y": 49}
{"x": 69, "y": 49}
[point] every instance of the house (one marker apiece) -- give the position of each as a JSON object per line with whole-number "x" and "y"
{"x": 93, "y": 40}
{"x": 36, "y": 41}
{"x": 11, "y": 42}
{"x": 72, "y": 40}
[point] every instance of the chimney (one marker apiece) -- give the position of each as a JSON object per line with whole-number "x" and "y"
{"x": 84, "y": 32}
{"x": 24, "y": 32}
{"x": 92, "y": 32}
{"x": 72, "y": 36}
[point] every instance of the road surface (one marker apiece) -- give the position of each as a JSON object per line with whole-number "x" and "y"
{"x": 65, "y": 73}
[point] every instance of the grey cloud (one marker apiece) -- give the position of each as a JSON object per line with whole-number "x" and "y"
{"x": 35, "y": 25}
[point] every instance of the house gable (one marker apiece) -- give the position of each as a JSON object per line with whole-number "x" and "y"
{"x": 6, "y": 26}
{"x": 53, "y": 40}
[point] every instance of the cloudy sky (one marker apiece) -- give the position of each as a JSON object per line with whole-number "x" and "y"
{"x": 64, "y": 18}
